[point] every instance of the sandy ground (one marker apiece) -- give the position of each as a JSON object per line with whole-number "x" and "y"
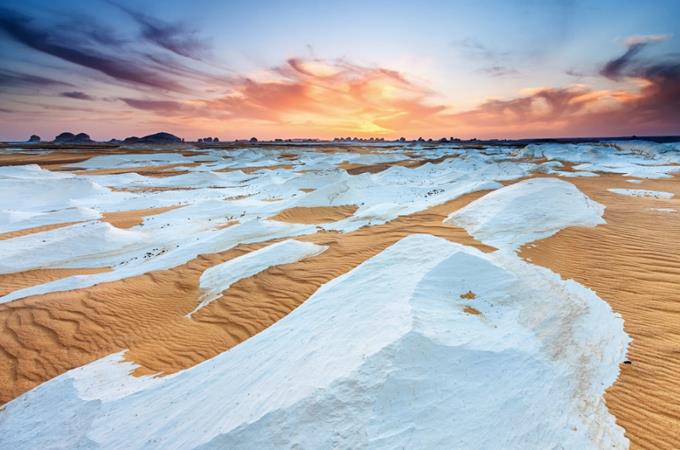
{"x": 319, "y": 214}
{"x": 40, "y": 229}
{"x": 164, "y": 170}
{"x": 252, "y": 169}
{"x": 14, "y": 281}
{"x": 43, "y": 336}
{"x": 128, "y": 219}
{"x": 633, "y": 263}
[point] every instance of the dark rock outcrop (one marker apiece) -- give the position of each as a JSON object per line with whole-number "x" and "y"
{"x": 70, "y": 138}
{"x": 34, "y": 138}
{"x": 157, "y": 138}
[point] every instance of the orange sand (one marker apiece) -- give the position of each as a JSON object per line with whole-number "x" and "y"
{"x": 164, "y": 170}
{"x": 128, "y": 219}
{"x": 632, "y": 262}
{"x": 32, "y": 230}
{"x": 318, "y": 214}
{"x": 471, "y": 310}
{"x": 469, "y": 295}
{"x": 256, "y": 168}
{"x": 10, "y": 282}
{"x": 44, "y": 336}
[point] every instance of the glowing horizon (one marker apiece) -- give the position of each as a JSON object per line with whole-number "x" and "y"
{"x": 387, "y": 70}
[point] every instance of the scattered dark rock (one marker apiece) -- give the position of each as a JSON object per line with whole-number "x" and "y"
{"x": 628, "y": 362}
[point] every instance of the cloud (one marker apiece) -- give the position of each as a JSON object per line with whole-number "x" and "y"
{"x": 19, "y": 79}
{"x": 646, "y": 39}
{"x": 77, "y": 95}
{"x": 176, "y": 37}
{"x": 475, "y": 49}
{"x": 500, "y": 71}
{"x": 583, "y": 111}
{"x": 544, "y": 105}
{"x": 310, "y": 94}
{"x": 23, "y": 30}
{"x": 659, "y": 96}
{"x": 334, "y": 94}
{"x": 494, "y": 62}
{"x": 157, "y": 106}
{"x": 615, "y": 68}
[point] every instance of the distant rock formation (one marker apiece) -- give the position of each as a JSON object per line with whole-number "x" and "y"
{"x": 253, "y": 140}
{"x": 157, "y": 138}
{"x": 34, "y": 138}
{"x": 70, "y": 138}
{"x": 208, "y": 139}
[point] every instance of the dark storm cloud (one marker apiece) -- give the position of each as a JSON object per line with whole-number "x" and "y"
{"x": 176, "y": 37}
{"x": 76, "y": 95}
{"x": 158, "y": 106}
{"x": 19, "y": 79}
{"x": 661, "y": 93}
{"x": 614, "y": 68}
{"x": 23, "y": 30}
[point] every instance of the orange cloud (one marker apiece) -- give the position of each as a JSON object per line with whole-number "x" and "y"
{"x": 312, "y": 97}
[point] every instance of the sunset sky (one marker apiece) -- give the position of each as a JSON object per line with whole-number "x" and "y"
{"x": 486, "y": 69}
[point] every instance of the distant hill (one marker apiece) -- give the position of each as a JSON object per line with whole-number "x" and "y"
{"x": 157, "y": 138}
{"x": 70, "y": 138}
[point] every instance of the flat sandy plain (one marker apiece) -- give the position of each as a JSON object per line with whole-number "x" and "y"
{"x": 161, "y": 261}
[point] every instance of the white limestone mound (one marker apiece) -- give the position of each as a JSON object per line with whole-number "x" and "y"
{"x": 527, "y": 211}
{"x": 642, "y": 193}
{"x": 385, "y": 356}
{"x": 218, "y": 278}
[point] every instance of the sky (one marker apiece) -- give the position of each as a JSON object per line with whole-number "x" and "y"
{"x": 324, "y": 69}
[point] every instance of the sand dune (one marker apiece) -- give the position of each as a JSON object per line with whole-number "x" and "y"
{"x": 632, "y": 262}
{"x": 39, "y": 229}
{"x": 10, "y": 282}
{"x": 252, "y": 169}
{"x": 128, "y": 219}
{"x": 164, "y": 170}
{"x": 319, "y": 214}
{"x": 46, "y": 335}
